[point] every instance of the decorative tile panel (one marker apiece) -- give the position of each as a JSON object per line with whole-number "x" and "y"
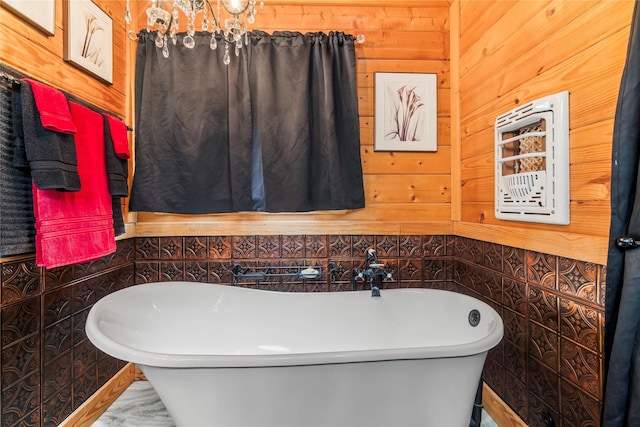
{"x": 541, "y": 269}
{"x": 516, "y": 396}
{"x": 410, "y": 270}
{"x": 294, "y": 246}
{"x": 220, "y": 247}
{"x": 491, "y": 287}
{"x": 56, "y": 339}
{"x": 57, "y": 305}
{"x": 20, "y": 320}
{"x": 543, "y": 307}
{"x": 580, "y": 323}
{"x": 269, "y": 247}
{"x": 244, "y": 247}
{"x": 20, "y": 279}
{"x": 20, "y": 360}
{"x": 315, "y": 246}
{"x": 172, "y": 271}
{"x": 20, "y": 402}
{"x": 43, "y": 315}
{"x": 84, "y": 386}
{"x": 434, "y": 246}
{"x": 196, "y": 271}
{"x": 577, "y": 278}
{"x": 545, "y": 384}
{"x": 171, "y": 248}
{"x": 58, "y": 276}
{"x": 515, "y": 327}
{"x": 220, "y": 272}
{"x": 578, "y": 408}
{"x": 410, "y": 246}
{"x": 147, "y": 248}
{"x": 196, "y": 247}
{"x": 437, "y": 269}
{"x": 540, "y": 414}
{"x": 340, "y": 246}
{"x": 515, "y": 361}
{"x": 492, "y": 256}
{"x": 544, "y": 345}
{"x": 580, "y": 366}
{"x": 56, "y": 375}
{"x": 360, "y": 244}
{"x": 387, "y": 246}
{"x": 513, "y": 264}
{"x": 56, "y": 408}
{"x": 147, "y": 272}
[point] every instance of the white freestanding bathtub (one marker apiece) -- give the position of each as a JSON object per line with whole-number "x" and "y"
{"x": 222, "y": 356}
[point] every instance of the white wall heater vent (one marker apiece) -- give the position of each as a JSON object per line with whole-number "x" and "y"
{"x": 532, "y": 162}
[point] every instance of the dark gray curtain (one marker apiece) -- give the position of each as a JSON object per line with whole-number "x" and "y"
{"x": 621, "y": 405}
{"x": 276, "y": 130}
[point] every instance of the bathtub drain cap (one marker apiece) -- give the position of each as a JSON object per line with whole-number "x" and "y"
{"x": 474, "y": 317}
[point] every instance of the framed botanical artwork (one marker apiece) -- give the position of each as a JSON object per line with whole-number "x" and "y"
{"x": 88, "y": 41}
{"x": 405, "y": 116}
{"x": 40, "y": 13}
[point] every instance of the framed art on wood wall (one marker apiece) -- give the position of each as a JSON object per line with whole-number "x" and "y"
{"x": 405, "y": 112}
{"x": 88, "y": 41}
{"x": 40, "y": 13}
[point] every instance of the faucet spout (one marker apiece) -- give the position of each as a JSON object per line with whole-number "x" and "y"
{"x": 375, "y": 292}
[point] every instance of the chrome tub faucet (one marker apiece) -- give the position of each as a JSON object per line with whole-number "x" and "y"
{"x": 373, "y": 272}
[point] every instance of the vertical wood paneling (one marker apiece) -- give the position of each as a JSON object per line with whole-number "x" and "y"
{"x": 402, "y": 189}
{"x": 507, "y": 52}
{"x": 515, "y": 52}
{"x": 36, "y": 54}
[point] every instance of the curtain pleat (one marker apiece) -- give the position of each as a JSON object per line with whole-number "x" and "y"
{"x": 276, "y": 130}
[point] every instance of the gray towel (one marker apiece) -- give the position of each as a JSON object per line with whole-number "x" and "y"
{"x": 51, "y": 155}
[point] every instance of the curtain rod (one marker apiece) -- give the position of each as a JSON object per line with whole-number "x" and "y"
{"x": 9, "y": 78}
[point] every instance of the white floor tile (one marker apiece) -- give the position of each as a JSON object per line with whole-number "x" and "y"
{"x": 140, "y": 406}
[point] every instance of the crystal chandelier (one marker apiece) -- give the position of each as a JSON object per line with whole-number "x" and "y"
{"x": 233, "y": 30}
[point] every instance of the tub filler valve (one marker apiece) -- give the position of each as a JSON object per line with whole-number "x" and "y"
{"x": 373, "y": 272}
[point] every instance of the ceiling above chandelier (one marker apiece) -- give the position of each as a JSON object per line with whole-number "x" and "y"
{"x": 164, "y": 17}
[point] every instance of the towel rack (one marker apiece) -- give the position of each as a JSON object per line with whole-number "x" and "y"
{"x": 13, "y": 79}
{"x": 296, "y": 272}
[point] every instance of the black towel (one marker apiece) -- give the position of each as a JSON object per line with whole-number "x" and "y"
{"x": 117, "y": 168}
{"x": 19, "y": 159}
{"x": 17, "y": 223}
{"x": 117, "y": 173}
{"x": 118, "y": 221}
{"x": 51, "y": 155}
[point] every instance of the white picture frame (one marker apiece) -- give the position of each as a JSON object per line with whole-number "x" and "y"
{"x": 405, "y": 112}
{"x": 39, "y": 13}
{"x": 88, "y": 42}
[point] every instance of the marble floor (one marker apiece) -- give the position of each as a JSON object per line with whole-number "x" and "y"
{"x": 140, "y": 406}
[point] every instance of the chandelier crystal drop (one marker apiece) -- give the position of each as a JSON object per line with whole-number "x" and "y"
{"x": 165, "y": 22}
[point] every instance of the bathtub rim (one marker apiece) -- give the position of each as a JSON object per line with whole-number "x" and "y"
{"x": 176, "y": 360}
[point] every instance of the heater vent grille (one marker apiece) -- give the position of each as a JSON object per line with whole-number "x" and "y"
{"x": 532, "y": 162}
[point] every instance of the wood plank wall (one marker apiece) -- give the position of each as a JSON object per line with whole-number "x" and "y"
{"x": 405, "y": 192}
{"x": 507, "y": 52}
{"x": 513, "y": 52}
{"x": 36, "y": 54}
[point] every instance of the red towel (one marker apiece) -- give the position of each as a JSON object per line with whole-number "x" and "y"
{"x": 119, "y": 137}
{"x": 75, "y": 227}
{"x": 53, "y": 108}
